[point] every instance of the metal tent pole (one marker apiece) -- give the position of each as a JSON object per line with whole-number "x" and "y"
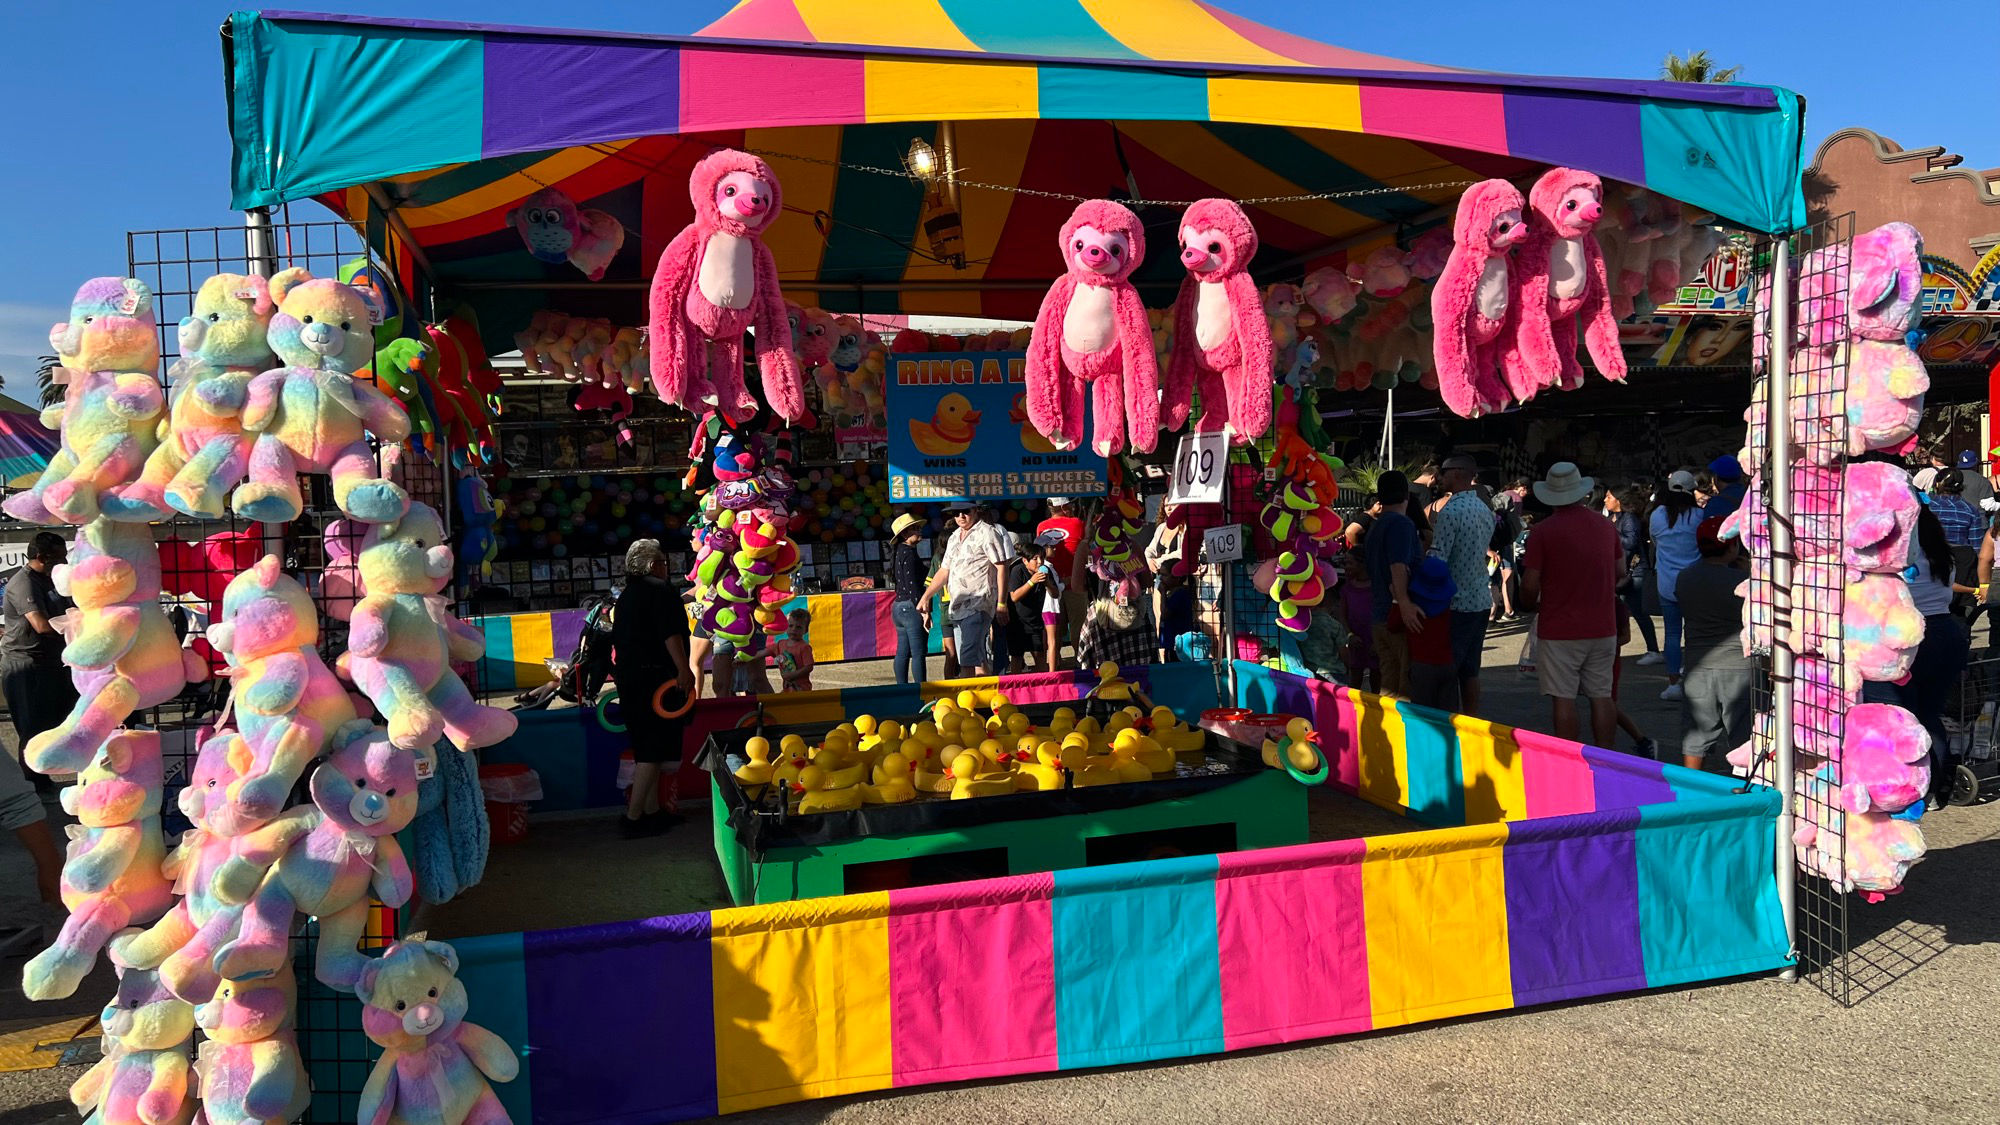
{"x": 1779, "y": 443}
{"x": 258, "y": 244}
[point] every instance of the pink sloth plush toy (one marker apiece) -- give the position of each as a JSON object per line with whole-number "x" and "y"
{"x": 435, "y": 1066}
{"x": 112, "y": 877}
{"x": 182, "y": 943}
{"x": 1469, "y": 301}
{"x": 1092, "y": 330}
{"x": 1885, "y": 759}
{"x": 1880, "y": 516}
{"x": 716, "y": 280}
{"x": 1557, "y": 277}
{"x": 1886, "y": 380}
{"x": 248, "y": 1068}
{"x": 1226, "y": 351}
{"x": 109, "y": 415}
{"x": 122, "y": 652}
{"x": 402, "y": 639}
{"x": 312, "y": 415}
{"x": 324, "y": 859}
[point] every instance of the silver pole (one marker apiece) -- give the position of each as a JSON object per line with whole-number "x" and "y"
{"x": 1779, "y": 442}
{"x": 259, "y": 246}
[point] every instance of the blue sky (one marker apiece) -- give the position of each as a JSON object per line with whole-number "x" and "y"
{"x": 136, "y": 139}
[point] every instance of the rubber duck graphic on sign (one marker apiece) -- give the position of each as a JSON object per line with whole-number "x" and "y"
{"x": 950, "y": 430}
{"x": 1031, "y": 438}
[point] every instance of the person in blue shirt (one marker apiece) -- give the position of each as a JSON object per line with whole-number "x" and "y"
{"x": 1730, "y": 488}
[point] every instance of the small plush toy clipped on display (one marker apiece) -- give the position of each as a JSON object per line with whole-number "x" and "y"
{"x": 1886, "y": 378}
{"x": 1469, "y": 301}
{"x": 248, "y": 1068}
{"x": 1879, "y": 516}
{"x": 715, "y": 280}
{"x": 202, "y": 452}
{"x": 1092, "y": 331}
{"x": 324, "y": 859}
{"x": 435, "y": 1066}
{"x": 1227, "y": 353}
{"x": 112, "y": 877}
{"x": 311, "y": 415}
{"x": 1558, "y": 277}
{"x": 555, "y": 229}
{"x": 109, "y": 415}
{"x": 121, "y": 652}
{"x": 401, "y": 640}
{"x": 287, "y": 701}
{"x": 1885, "y": 759}
{"x": 143, "y": 1076}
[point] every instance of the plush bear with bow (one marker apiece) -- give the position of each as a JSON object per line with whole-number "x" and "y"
{"x": 143, "y": 1076}
{"x": 311, "y": 415}
{"x": 1227, "y": 352}
{"x": 122, "y": 652}
{"x": 1469, "y": 301}
{"x": 715, "y": 281}
{"x": 1092, "y": 332}
{"x": 248, "y": 1068}
{"x": 401, "y": 640}
{"x": 109, "y": 415}
{"x": 112, "y": 877}
{"x": 434, "y": 1066}
{"x": 325, "y": 860}
{"x": 1557, "y": 278}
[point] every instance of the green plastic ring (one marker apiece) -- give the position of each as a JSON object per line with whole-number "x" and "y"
{"x": 1317, "y": 777}
{"x": 604, "y": 699}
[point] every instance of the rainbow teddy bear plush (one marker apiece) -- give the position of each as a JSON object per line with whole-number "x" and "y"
{"x": 434, "y": 1066}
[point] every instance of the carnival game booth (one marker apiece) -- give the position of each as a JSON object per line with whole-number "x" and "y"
{"x": 1552, "y": 870}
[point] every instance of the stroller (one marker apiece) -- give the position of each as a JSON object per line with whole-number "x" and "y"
{"x": 579, "y": 678}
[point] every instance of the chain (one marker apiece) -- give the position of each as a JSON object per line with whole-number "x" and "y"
{"x": 1258, "y": 201}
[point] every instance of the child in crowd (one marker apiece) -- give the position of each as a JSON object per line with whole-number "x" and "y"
{"x": 1357, "y": 609}
{"x": 795, "y": 653}
{"x": 1433, "y": 670}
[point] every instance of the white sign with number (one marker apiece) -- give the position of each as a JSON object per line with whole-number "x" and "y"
{"x": 1200, "y": 464}
{"x": 1223, "y": 544}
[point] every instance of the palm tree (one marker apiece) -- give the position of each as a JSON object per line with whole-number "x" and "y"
{"x": 1696, "y": 67}
{"x": 45, "y": 378}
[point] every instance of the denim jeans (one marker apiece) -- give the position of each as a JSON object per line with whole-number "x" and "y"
{"x": 1635, "y": 604}
{"x": 913, "y": 641}
{"x": 1670, "y": 619}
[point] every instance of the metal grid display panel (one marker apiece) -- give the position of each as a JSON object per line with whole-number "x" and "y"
{"x": 175, "y": 263}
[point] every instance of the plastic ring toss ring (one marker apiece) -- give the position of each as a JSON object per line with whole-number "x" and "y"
{"x": 660, "y": 705}
{"x": 1317, "y": 777}
{"x": 605, "y": 699}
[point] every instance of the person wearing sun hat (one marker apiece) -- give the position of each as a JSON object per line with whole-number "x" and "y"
{"x": 1569, "y": 575}
{"x": 906, "y": 607}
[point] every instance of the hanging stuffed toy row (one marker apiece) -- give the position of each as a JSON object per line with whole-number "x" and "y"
{"x": 1226, "y": 350}
{"x": 1092, "y": 330}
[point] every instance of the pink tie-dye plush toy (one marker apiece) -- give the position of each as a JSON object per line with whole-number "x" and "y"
{"x": 287, "y": 701}
{"x": 714, "y": 281}
{"x": 1469, "y": 301}
{"x": 556, "y": 230}
{"x": 112, "y": 877}
{"x": 435, "y": 1066}
{"x": 143, "y": 1077}
{"x": 312, "y": 415}
{"x": 1883, "y": 629}
{"x": 402, "y": 640}
{"x": 1879, "y": 517}
{"x": 202, "y": 453}
{"x": 249, "y": 1068}
{"x": 324, "y": 860}
{"x": 1885, "y": 759}
{"x": 1557, "y": 277}
{"x": 1092, "y": 330}
{"x": 1226, "y": 352}
{"x": 1886, "y": 380}
{"x": 122, "y": 652}
{"x": 110, "y": 413}
{"x": 183, "y": 942}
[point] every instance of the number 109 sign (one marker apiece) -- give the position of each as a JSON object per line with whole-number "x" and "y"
{"x": 1200, "y": 464}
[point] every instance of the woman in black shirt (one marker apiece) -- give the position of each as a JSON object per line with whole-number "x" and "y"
{"x": 906, "y": 572}
{"x": 649, "y": 648}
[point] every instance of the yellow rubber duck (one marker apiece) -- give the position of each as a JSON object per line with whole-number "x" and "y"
{"x": 841, "y": 773}
{"x": 1031, "y": 438}
{"x": 865, "y": 725}
{"x": 929, "y": 775}
{"x": 1086, "y": 770}
{"x": 966, "y": 780}
{"x": 789, "y": 769}
{"x": 1133, "y": 744}
{"x": 893, "y": 782}
{"x": 791, "y": 746}
{"x": 758, "y": 770}
{"x": 815, "y": 797}
{"x": 1110, "y": 686}
{"x": 1041, "y": 771}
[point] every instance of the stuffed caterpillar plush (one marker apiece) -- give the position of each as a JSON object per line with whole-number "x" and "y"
{"x": 109, "y": 416}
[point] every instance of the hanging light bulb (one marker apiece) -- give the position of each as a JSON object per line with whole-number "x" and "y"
{"x": 922, "y": 160}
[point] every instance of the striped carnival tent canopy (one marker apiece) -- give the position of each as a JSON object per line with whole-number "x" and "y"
{"x": 429, "y": 133}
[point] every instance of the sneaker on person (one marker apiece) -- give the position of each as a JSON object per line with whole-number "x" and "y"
{"x": 1647, "y": 748}
{"x": 1673, "y": 694}
{"x": 1653, "y": 658}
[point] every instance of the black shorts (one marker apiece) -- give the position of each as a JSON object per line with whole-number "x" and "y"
{"x": 652, "y": 738}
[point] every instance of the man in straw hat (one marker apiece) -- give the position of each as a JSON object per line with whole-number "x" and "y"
{"x": 1570, "y": 572}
